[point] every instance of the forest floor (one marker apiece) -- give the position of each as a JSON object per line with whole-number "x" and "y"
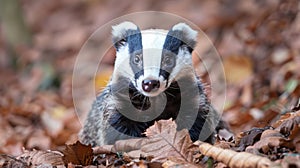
{"x": 260, "y": 50}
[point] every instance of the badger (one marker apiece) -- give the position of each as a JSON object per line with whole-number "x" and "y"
{"x": 153, "y": 79}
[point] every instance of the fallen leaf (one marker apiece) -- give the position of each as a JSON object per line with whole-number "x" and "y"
{"x": 296, "y": 107}
{"x": 289, "y": 125}
{"x": 53, "y": 125}
{"x": 237, "y": 68}
{"x": 37, "y": 157}
{"x": 269, "y": 143}
{"x": 248, "y": 138}
{"x": 236, "y": 118}
{"x": 163, "y": 142}
{"x": 11, "y": 162}
{"x": 178, "y": 164}
{"x": 247, "y": 94}
{"x": 169, "y": 142}
{"x": 105, "y": 149}
{"x": 141, "y": 164}
{"x": 38, "y": 140}
{"x": 103, "y": 77}
{"x": 291, "y": 161}
{"x": 234, "y": 159}
{"x": 14, "y": 147}
{"x": 223, "y": 144}
{"x": 78, "y": 154}
{"x": 280, "y": 55}
{"x": 295, "y": 136}
{"x": 287, "y": 122}
{"x": 128, "y": 145}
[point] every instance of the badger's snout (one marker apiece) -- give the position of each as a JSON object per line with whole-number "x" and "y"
{"x": 150, "y": 85}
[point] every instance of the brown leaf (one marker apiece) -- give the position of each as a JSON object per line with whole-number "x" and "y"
{"x": 128, "y": 145}
{"x": 70, "y": 165}
{"x": 295, "y": 136}
{"x": 249, "y": 138}
{"x": 163, "y": 142}
{"x": 223, "y": 144}
{"x": 37, "y": 157}
{"x": 78, "y": 154}
{"x": 178, "y": 163}
{"x": 296, "y": 107}
{"x": 38, "y": 140}
{"x": 272, "y": 143}
{"x": 247, "y": 93}
{"x": 289, "y": 125}
{"x": 232, "y": 158}
{"x": 237, "y": 68}
{"x": 8, "y": 162}
{"x": 142, "y": 164}
{"x": 288, "y": 122}
{"x": 268, "y": 143}
{"x": 236, "y": 118}
{"x": 291, "y": 161}
{"x": 105, "y": 149}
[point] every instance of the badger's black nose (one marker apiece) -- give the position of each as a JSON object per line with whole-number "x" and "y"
{"x": 149, "y": 85}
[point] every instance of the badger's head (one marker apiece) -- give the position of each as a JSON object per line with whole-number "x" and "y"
{"x": 152, "y": 59}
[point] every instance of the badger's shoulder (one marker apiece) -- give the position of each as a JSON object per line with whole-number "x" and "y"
{"x": 93, "y": 125}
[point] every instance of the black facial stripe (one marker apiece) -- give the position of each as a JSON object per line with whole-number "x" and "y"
{"x": 173, "y": 41}
{"x": 164, "y": 65}
{"x": 138, "y": 74}
{"x": 134, "y": 39}
{"x": 170, "y": 49}
{"x": 165, "y": 74}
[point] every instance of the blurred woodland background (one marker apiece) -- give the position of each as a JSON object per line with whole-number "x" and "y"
{"x": 259, "y": 42}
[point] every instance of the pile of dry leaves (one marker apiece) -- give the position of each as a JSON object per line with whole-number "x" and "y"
{"x": 164, "y": 146}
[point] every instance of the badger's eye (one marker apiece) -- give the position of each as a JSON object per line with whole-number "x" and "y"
{"x": 169, "y": 61}
{"x": 137, "y": 58}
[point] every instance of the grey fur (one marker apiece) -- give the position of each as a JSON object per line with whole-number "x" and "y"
{"x": 105, "y": 124}
{"x": 98, "y": 131}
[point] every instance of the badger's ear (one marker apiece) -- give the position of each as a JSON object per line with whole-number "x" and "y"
{"x": 121, "y": 31}
{"x": 183, "y": 33}
{"x": 189, "y": 35}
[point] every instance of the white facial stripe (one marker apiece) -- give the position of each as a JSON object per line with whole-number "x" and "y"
{"x": 151, "y": 58}
{"x": 184, "y": 66}
{"x": 153, "y": 41}
{"x": 122, "y": 68}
